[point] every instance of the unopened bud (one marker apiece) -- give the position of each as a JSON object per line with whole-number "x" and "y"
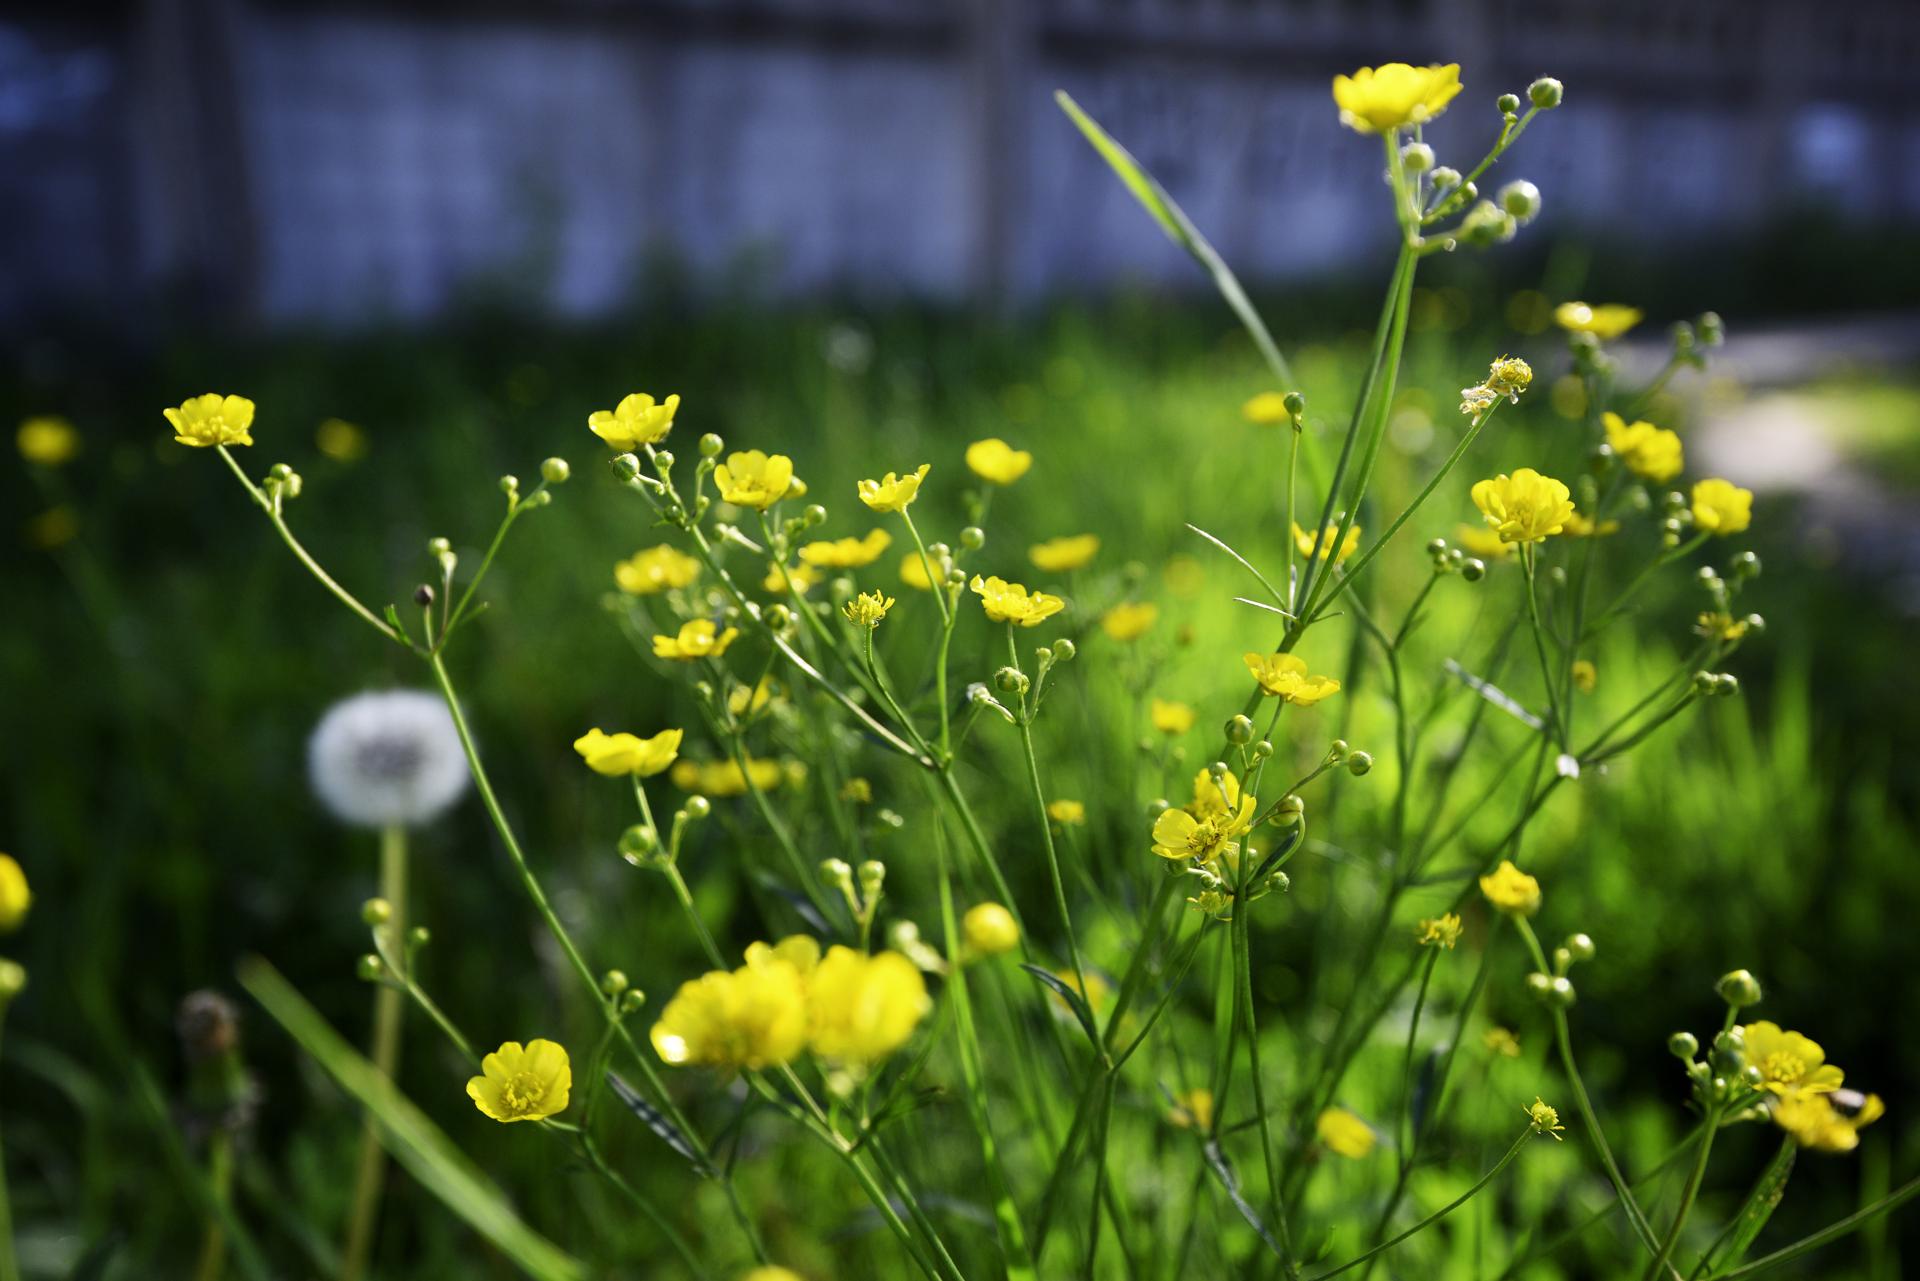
{"x": 1011, "y": 680}
{"x": 1521, "y": 199}
{"x": 376, "y": 911}
{"x": 423, "y": 595}
{"x": 370, "y": 968}
{"x": 1683, "y": 1045}
{"x": 614, "y": 982}
{"x": 1239, "y": 730}
{"x": 1359, "y": 763}
{"x": 510, "y": 485}
{"x": 711, "y": 445}
{"x": 555, "y": 471}
{"x": 1416, "y": 157}
{"x": 1738, "y": 988}
{"x": 1546, "y": 93}
{"x": 1580, "y": 946}
{"x": 1508, "y": 104}
{"x": 697, "y": 807}
{"x": 1064, "y": 650}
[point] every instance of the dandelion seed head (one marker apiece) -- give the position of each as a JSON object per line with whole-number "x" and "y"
{"x": 387, "y": 758}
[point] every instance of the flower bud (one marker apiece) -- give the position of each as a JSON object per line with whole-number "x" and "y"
{"x": 423, "y": 595}
{"x": 1683, "y": 1045}
{"x": 626, "y": 466}
{"x": 1292, "y": 808}
{"x": 1445, "y": 177}
{"x": 419, "y": 936}
{"x": 1546, "y": 93}
{"x": 1473, "y": 569}
{"x": 990, "y": 929}
{"x": 1438, "y": 547}
{"x": 510, "y": 486}
{"x": 1729, "y": 1052}
{"x": 1521, "y": 199}
{"x": 1713, "y": 330}
{"x": 370, "y": 968}
{"x": 1580, "y": 946}
{"x": 376, "y": 911}
{"x": 1539, "y": 985}
{"x": 814, "y": 514}
{"x": 540, "y": 499}
{"x": 1727, "y": 685}
{"x": 614, "y": 982}
{"x": 555, "y": 471}
{"x": 1262, "y": 749}
{"x": 1294, "y": 403}
{"x": 1416, "y": 157}
{"x": 711, "y": 445}
{"x": 1703, "y": 683}
{"x": 631, "y": 1000}
{"x": 638, "y": 844}
{"x": 1508, "y": 104}
{"x": 1752, "y": 1077}
{"x": 698, "y": 807}
{"x": 1011, "y": 680}
{"x": 873, "y": 874}
{"x": 1156, "y": 808}
{"x": 838, "y": 871}
{"x": 1338, "y": 750}
{"x": 1560, "y": 992}
{"x": 1239, "y": 730}
{"x": 663, "y": 461}
{"x": 973, "y": 538}
{"x": 438, "y": 547}
{"x": 1738, "y": 988}
{"x": 13, "y": 980}
{"x": 1063, "y": 651}
{"x": 1359, "y": 763}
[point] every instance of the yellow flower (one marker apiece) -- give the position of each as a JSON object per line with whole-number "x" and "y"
{"x": 340, "y": 440}
{"x": 1170, "y": 717}
{"x": 857, "y": 791}
{"x": 862, "y": 1008}
{"x": 617, "y": 754}
{"x": 1214, "y": 799}
{"x": 867, "y": 609}
{"x": 847, "y": 553}
{"x": 990, "y": 929}
{"x": 1509, "y": 376}
{"x": 1129, "y": 620}
{"x": 753, "y": 479}
{"x": 1376, "y": 99}
{"x": 1720, "y": 625}
{"x": 634, "y": 422}
{"x": 1344, "y": 1134}
{"x": 1059, "y": 555}
{"x": 654, "y": 570}
{"x": 1525, "y": 507}
{"x": 1268, "y": 409}
{"x": 1284, "y": 676}
{"x": 522, "y": 1084}
{"x": 753, "y": 1017}
{"x": 744, "y": 702}
{"x": 1816, "y": 1121}
{"x": 1193, "y": 1110}
{"x": 1789, "y": 1063}
{"x": 1439, "y": 931}
{"x": 697, "y": 639}
{"x": 1585, "y": 675}
{"x": 1482, "y": 542}
{"x": 48, "y": 441}
{"x": 724, "y": 778}
{"x": 1582, "y": 526}
{"x": 1721, "y": 507}
{"x": 996, "y": 461}
{"x": 1544, "y": 1119}
{"x": 15, "y": 897}
{"x": 1303, "y": 539}
{"x": 1649, "y": 451}
{"x": 1501, "y": 1041}
{"x": 913, "y": 572}
{"x": 1066, "y": 813}
{"x": 892, "y": 493}
{"x": 1605, "y": 322}
{"x": 771, "y": 1272}
{"x": 212, "y": 419}
{"x": 778, "y": 577}
{"x": 1511, "y": 890}
{"x": 1011, "y": 603}
{"x": 1179, "y": 835}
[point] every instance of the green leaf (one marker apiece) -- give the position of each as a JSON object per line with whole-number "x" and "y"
{"x": 415, "y": 1141}
{"x": 1759, "y": 1206}
{"x": 1073, "y": 999}
{"x": 656, "y": 1120}
{"x": 1230, "y": 1183}
{"x": 1494, "y": 695}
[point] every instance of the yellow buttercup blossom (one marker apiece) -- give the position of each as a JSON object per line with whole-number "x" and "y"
{"x": 697, "y": 639}
{"x": 15, "y": 896}
{"x": 913, "y": 572}
{"x": 780, "y": 577}
{"x": 1605, "y": 322}
{"x": 1067, "y": 813}
{"x": 867, "y": 609}
{"x": 1007, "y": 602}
{"x": 1525, "y": 507}
{"x": 1580, "y": 525}
{"x": 1439, "y": 931}
{"x": 522, "y": 1083}
{"x": 1544, "y": 1119}
{"x": 1268, "y": 409}
{"x": 1649, "y": 451}
{"x": 1377, "y": 99}
{"x": 1789, "y": 1063}
{"x": 862, "y": 1008}
{"x": 772, "y": 1272}
{"x": 752, "y": 479}
{"x": 1511, "y": 890}
{"x": 655, "y": 569}
{"x": 1214, "y": 798}
{"x": 1179, "y": 835}
{"x": 1170, "y": 717}
{"x": 996, "y": 461}
{"x": 637, "y": 420}
{"x": 1284, "y": 676}
{"x": 724, "y": 778}
{"x": 744, "y": 701}
{"x": 1304, "y": 540}
{"x": 1721, "y": 507}
{"x": 1129, "y": 620}
{"x": 990, "y": 929}
{"x": 1482, "y": 542}
{"x": 753, "y": 1017}
{"x": 617, "y": 754}
{"x": 847, "y": 553}
{"x": 1722, "y": 626}
{"x": 212, "y": 419}
{"x": 1193, "y": 1110}
{"x": 892, "y": 493}
{"x": 1501, "y": 1041}
{"x": 340, "y": 440}
{"x": 47, "y": 441}
{"x": 1343, "y": 1133}
{"x": 1817, "y": 1121}
{"x": 857, "y": 791}
{"x": 1585, "y": 675}
{"x": 1059, "y": 555}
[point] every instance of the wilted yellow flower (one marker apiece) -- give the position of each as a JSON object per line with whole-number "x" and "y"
{"x": 1818, "y": 1121}
{"x": 1303, "y": 539}
{"x": 752, "y": 1017}
{"x": 1511, "y": 890}
{"x": 1059, "y": 555}
{"x": 995, "y": 460}
{"x": 1544, "y": 1119}
{"x": 522, "y": 1083}
{"x": 990, "y": 929}
{"x": 1525, "y": 507}
{"x": 1501, "y": 1041}
{"x": 779, "y": 577}
{"x": 847, "y": 553}
{"x": 1480, "y": 541}
{"x": 1649, "y": 451}
{"x": 753, "y": 479}
{"x": 862, "y": 1008}
{"x": 723, "y": 778}
{"x": 1579, "y": 525}
{"x": 892, "y": 493}
{"x": 1789, "y": 1063}
{"x": 1011, "y": 603}
{"x": 1129, "y": 620}
{"x": 1721, "y": 507}
{"x": 867, "y": 609}
{"x": 1585, "y": 675}
{"x": 1193, "y": 1110}
{"x": 654, "y": 570}
{"x": 1344, "y": 1134}
{"x": 697, "y": 639}
{"x": 1439, "y": 931}
{"x": 1509, "y": 376}
{"x": 637, "y": 420}
{"x": 617, "y": 754}
{"x": 340, "y": 440}
{"x": 1065, "y": 812}
{"x": 212, "y": 419}
{"x": 1268, "y": 409}
{"x": 1284, "y": 676}
{"x": 1170, "y": 717}
{"x": 1376, "y": 99}
{"x": 48, "y": 441}
{"x": 15, "y": 896}
{"x": 1179, "y": 835}
{"x": 1605, "y": 322}
{"x": 913, "y": 572}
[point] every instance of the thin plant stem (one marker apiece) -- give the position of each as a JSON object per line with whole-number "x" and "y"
{"x": 213, "y": 1245}
{"x": 388, "y": 1009}
{"x": 1688, "y": 1192}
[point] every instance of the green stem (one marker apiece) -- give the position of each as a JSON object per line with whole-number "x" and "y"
{"x": 1827, "y": 1235}
{"x": 1688, "y": 1191}
{"x": 213, "y": 1246}
{"x": 388, "y": 1008}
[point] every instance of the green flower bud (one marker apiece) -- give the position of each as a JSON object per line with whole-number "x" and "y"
{"x": 1359, "y": 763}
{"x": 1507, "y": 104}
{"x": 423, "y": 595}
{"x": 370, "y": 968}
{"x": 1473, "y": 569}
{"x": 1539, "y": 985}
{"x": 1703, "y": 682}
{"x": 1729, "y": 1052}
{"x": 663, "y": 461}
{"x": 13, "y": 980}
{"x": 813, "y": 514}
{"x": 1713, "y": 330}
{"x": 1063, "y": 651}
{"x": 439, "y": 547}
{"x": 1011, "y": 680}
{"x": 1683, "y": 1045}
{"x": 1262, "y": 749}
{"x": 555, "y": 471}
{"x": 1239, "y": 730}
{"x": 1416, "y": 157}
{"x": 1752, "y": 1077}
{"x": 711, "y": 445}
{"x": 631, "y": 1000}
{"x": 698, "y": 807}
{"x": 1338, "y": 750}
{"x": 626, "y": 466}
{"x": 973, "y": 538}
{"x": 1738, "y": 988}
{"x": 1546, "y": 93}
{"x": 1521, "y": 199}
{"x": 419, "y": 936}
{"x": 1560, "y": 992}
{"x": 638, "y": 844}
{"x": 1294, "y": 403}
{"x": 376, "y": 911}
{"x": 1438, "y": 547}
{"x": 1581, "y": 947}
{"x": 1445, "y": 177}
{"x": 778, "y": 617}
{"x": 510, "y": 485}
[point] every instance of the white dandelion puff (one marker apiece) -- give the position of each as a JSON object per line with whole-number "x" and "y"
{"x": 387, "y": 758}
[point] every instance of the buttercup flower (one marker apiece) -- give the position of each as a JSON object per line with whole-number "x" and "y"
{"x": 1580, "y": 525}
{"x": 1067, "y": 813}
{"x": 1179, "y": 835}
{"x": 389, "y": 758}
{"x": 1284, "y": 676}
{"x": 696, "y": 639}
{"x": 867, "y": 609}
{"x": 655, "y": 570}
{"x": 1268, "y": 409}
{"x": 1789, "y": 1063}
{"x": 212, "y": 419}
{"x": 1721, "y": 507}
{"x": 1482, "y": 542}
{"x": 618, "y": 754}
{"x": 1525, "y": 507}
{"x": 47, "y": 441}
{"x": 522, "y": 1083}
{"x": 1509, "y": 376}
{"x": 1170, "y": 717}
{"x": 15, "y": 896}
{"x": 1214, "y": 798}
{"x": 1477, "y": 400}
{"x": 1649, "y": 451}
{"x": 862, "y": 1008}
{"x": 1376, "y": 99}
{"x": 724, "y": 778}
{"x": 1720, "y": 625}
{"x": 1344, "y": 1134}
{"x": 1511, "y": 890}
{"x": 990, "y": 929}
{"x": 997, "y": 462}
{"x": 744, "y": 701}
{"x": 847, "y": 553}
{"x": 1129, "y": 620}
{"x": 780, "y": 577}
{"x": 1059, "y": 555}
{"x": 1605, "y": 322}
{"x": 1011, "y": 603}
{"x": 1193, "y": 1110}
{"x": 752, "y": 1017}
{"x": 1501, "y": 1041}
{"x": 753, "y": 479}
{"x": 1439, "y": 931}
{"x": 1544, "y": 1119}
{"x": 913, "y": 572}
{"x": 772, "y": 1272}
{"x": 637, "y": 420}
{"x": 1304, "y": 539}
{"x": 892, "y": 493}
{"x": 1824, "y": 1121}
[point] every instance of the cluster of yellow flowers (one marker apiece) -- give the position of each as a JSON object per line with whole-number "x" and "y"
{"x": 1806, "y": 1096}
